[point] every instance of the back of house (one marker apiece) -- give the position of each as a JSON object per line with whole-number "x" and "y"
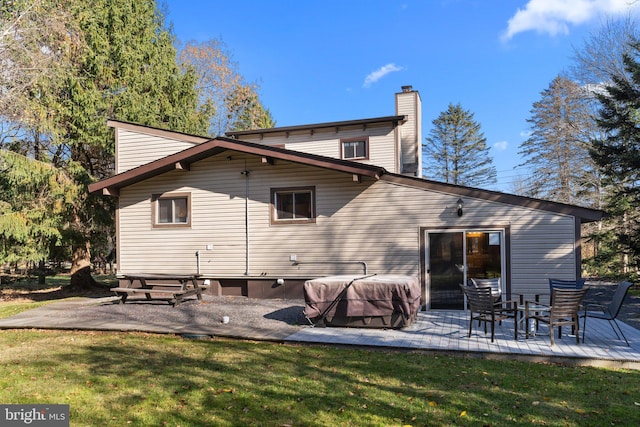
{"x": 259, "y": 212}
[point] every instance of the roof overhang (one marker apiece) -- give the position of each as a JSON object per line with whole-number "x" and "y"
{"x": 181, "y": 136}
{"x": 210, "y": 147}
{"x": 585, "y": 214}
{"x": 392, "y": 121}
{"x": 183, "y": 160}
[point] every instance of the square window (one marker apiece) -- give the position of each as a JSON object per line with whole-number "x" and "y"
{"x": 171, "y": 210}
{"x": 293, "y": 205}
{"x": 354, "y": 148}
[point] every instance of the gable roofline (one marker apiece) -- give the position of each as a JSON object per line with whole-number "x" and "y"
{"x": 393, "y": 120}
{"x": 184, "y": 158}
{"x": 585, "y": 214}
{"x": 208, "y": 147}
{"x": 117, "y": 124}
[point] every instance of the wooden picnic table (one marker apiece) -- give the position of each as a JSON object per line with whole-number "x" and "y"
{"x": 175, "y": 287}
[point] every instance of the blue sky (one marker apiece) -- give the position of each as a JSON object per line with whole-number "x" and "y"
{"x": 332, "y": 60}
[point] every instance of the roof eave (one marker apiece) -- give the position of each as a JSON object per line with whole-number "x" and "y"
{"x": 585, "y": 214}
{"x": 393, "y": 120}
{"x": 183, "y": 159}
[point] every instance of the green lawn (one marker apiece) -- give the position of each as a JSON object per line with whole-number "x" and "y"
{"x": 127, "y": 379}
{"x": 27, "y": 288}
{"x": 119, "y": 379}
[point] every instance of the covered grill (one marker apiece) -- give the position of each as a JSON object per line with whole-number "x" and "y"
{"x": 376, "y": 301}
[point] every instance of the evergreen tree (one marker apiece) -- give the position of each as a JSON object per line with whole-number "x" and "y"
{"x": 127, "y": 70}
{"x": 34, "y": 199}
{"x": 456, "y": 150}
{"x": 596, "y": 60}
{"x": 123, "y": 65}
{"x": 557, "y": 150}
{"x": 617, "y": 155}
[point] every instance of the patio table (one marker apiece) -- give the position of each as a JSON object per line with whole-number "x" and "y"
{"x": 521, "y": 309}
{"x": 524, "y": 311}
{"x": 160, "y": 286}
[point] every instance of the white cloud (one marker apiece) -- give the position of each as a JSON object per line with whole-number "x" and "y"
{"x": 554, "y": 16}
{"x": 501, "y": 145}
{"x": 380, "y": 73}
{"x": 525, "y": 133}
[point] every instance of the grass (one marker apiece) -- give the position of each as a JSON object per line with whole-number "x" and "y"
{"x": 116, "y": 379}
{"x": 8, "y": 309}
{"x": 26, "y": 293}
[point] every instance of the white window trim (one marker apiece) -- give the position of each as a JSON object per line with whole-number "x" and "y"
{"x": 364, "y": 140}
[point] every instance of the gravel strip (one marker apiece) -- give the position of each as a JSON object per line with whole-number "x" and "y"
{"x": 245, "y": 313}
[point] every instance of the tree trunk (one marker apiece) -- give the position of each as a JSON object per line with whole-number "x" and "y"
{"x": 42, "y": 275}
{"x": 81, "y": 267}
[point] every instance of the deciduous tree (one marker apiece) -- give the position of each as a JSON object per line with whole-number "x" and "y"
{"x": 38, "y": 40}
{"x": 235, "y": 102}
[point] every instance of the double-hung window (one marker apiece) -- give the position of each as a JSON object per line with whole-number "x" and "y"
{"x": 354, "y": 148}
{"x": 293, "y": 205}
{"x": 171, "y": 210}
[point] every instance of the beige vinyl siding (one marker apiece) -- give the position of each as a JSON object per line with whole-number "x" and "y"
{"x": 375, "y": 221}
{"x": 326, "y": 142}
{"x": 134, "y": 149}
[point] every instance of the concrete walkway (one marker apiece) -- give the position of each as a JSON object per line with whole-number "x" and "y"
{"x": 271, "y": 320}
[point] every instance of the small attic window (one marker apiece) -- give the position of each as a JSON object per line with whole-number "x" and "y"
{"x": 354, "y": 148}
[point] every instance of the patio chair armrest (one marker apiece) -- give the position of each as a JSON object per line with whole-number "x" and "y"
{"x": 507, "y": 303}
{"x": 595, "y": 305}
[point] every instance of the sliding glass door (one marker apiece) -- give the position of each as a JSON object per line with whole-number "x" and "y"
{"x": 454, "y": 257}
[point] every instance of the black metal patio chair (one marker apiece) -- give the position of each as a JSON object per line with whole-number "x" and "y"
{"x": 609, "y": 311}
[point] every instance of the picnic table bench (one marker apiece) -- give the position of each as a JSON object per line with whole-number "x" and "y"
{"x": 174, "y": 287}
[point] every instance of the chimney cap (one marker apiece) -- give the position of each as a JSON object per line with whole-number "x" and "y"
{"x": 407, "y": 88}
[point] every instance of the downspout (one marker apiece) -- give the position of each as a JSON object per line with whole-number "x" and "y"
{"x": 246, "y": 172}
{"x": 198, "y": 263}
